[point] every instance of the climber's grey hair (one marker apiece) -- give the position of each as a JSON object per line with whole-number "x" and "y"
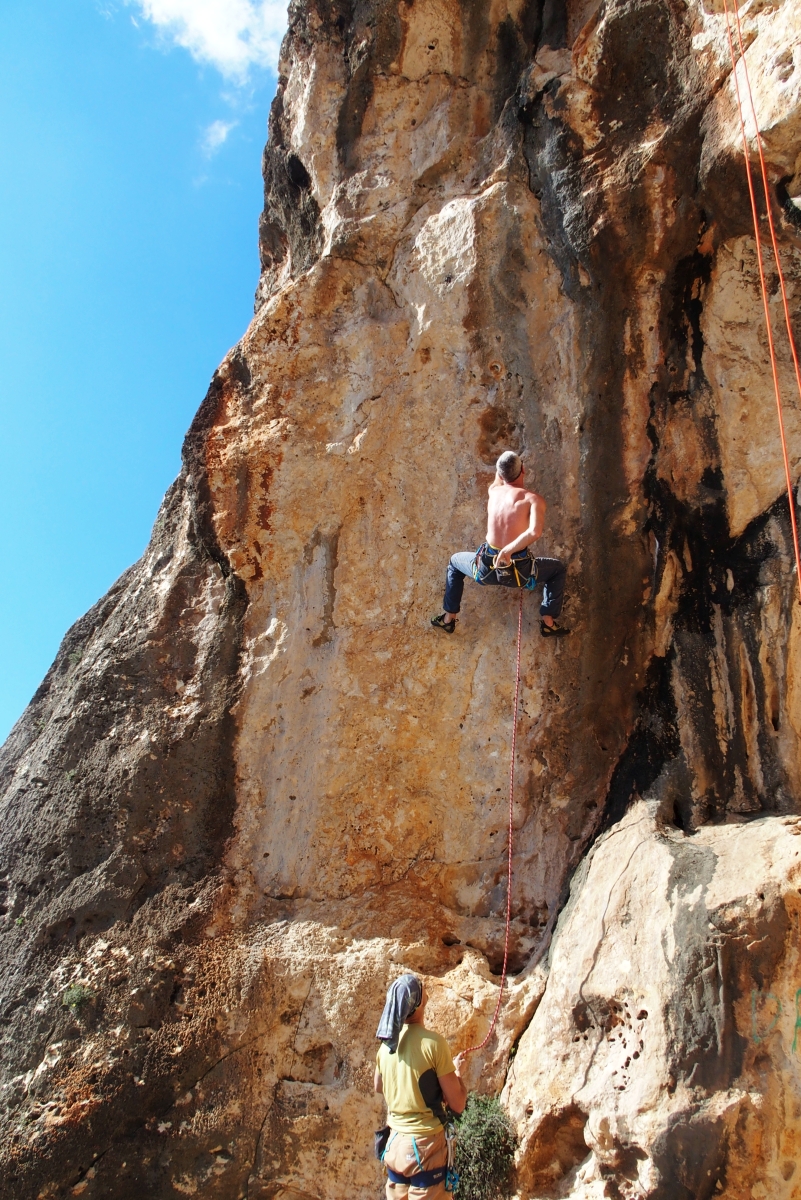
{"x": 509, "y": 466}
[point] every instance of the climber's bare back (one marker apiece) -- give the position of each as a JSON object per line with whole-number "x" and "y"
{"x": 513, "y": 512}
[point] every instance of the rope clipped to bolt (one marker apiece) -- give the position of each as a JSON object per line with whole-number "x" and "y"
{"x": 774, "y": 242}
{"x": 494, "y": 1021}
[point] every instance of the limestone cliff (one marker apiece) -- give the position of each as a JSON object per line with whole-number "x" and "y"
{"x": 255, "y": 784}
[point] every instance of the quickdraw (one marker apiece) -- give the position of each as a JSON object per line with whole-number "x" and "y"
{"x": 451, "y": 1176}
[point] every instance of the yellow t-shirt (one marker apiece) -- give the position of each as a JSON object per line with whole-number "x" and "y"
{"x": 422, "y": 1056}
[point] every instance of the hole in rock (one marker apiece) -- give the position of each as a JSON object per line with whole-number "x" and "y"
{"x": 497, "y": 430}
{"x": 297, "y": 172}
{"x": 557, "y": 1146}
{"x": 450, "y": 939}
{"x": 515, "y": 964}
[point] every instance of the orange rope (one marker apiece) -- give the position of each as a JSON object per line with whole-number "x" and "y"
{"x": 493, "y": 1023}
{"x": 755, "y": 214}
{"x": 768, "y": 206}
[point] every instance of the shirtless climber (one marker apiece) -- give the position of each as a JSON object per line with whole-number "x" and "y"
{"x": 515, "y": 519}
{"x": 422, "y": 1088}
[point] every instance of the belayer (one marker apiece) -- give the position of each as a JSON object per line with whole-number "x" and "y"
{"x": 422, "y": 1087}
{"x": 515, "y": 519}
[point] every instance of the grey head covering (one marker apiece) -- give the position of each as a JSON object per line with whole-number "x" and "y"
{"x": 403, "y": 998}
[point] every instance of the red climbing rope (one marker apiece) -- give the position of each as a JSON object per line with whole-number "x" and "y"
{"x": 755, "y": 214}
{"x": 494, "y": 1020}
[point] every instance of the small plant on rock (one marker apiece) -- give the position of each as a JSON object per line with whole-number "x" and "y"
{"x": 485, "y": 1150}
{"x": 76, "y": 997}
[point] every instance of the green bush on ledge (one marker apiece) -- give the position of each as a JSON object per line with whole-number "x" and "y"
{"x": 484, "y": 1150}
{"x": 76, "y": 997}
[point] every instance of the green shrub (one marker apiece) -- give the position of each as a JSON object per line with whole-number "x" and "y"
{"x": 76, "y": 997}
{"x": 485, "y": 1150}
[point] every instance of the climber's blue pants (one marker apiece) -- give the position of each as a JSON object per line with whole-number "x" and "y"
{"x": 551, "y": 573}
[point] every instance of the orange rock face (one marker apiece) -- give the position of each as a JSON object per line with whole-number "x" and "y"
{"x": 256, "y": 785}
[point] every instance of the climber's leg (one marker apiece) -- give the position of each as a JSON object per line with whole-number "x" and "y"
{"x": 551, "y": 573}
{"x": 461, "y": 564}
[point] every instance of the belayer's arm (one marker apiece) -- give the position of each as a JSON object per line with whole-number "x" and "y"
{"x": 453, "y": 1089}
{"x": 378, "y": 1082}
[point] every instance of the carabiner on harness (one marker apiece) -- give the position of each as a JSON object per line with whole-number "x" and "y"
{"x": 451, "y": 1177}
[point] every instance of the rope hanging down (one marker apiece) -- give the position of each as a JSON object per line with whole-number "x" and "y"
{"x": 755, "y": 214}
{"x": 494, "y": 1020}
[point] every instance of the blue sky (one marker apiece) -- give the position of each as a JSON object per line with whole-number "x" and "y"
{"x": 130, "y": 143}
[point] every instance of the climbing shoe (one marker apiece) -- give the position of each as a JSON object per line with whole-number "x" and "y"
{"x": 553, "y": 630}
{"x": 441, "y": 623}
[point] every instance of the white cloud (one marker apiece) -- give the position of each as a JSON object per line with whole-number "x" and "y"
{"x": 215, "y": 135}
{"x": 232, "y": 35}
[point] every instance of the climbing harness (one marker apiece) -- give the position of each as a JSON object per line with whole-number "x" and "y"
{"x": 755, "y": 214}
{"x": 521, "y": 572}
{"x": 493, "y": 1023}
{"x": 422, "y": 1178}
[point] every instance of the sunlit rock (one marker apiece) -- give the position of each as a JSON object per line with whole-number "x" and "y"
{"x": 256, "y": 784}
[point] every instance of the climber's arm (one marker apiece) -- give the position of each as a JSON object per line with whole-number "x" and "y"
{"x": 378, "y": 1082}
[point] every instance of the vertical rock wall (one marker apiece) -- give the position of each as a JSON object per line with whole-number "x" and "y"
{"x": 256, "y": 785}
